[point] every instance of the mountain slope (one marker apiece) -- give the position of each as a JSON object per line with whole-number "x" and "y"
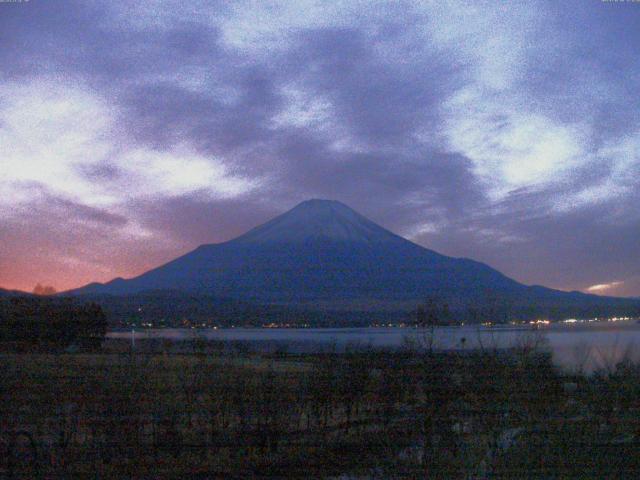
{"x": 12, "y": 293}
{"x": 322, "y": 254}
{"x": 319, "y": 251}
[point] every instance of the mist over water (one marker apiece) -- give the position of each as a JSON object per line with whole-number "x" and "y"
{"x": 574, "y": 348}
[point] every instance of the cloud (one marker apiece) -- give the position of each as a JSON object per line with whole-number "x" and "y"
{"x": 491, "y": 40}
{"x": 67, "y": 141}
{"x": 603, "y": 287}
{"x": 509, "y": 147}
{"x": 45, "y": 130}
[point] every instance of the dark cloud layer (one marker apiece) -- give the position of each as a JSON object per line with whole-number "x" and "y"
{"x": 507, "y": 134}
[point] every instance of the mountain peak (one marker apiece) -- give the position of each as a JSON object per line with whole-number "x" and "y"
{"x": 318, "y": 219}
{"x": 316, "y": 203}
{"x": 318, "y": 207}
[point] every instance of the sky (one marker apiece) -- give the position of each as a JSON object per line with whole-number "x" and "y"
{"x": 507, "y": 132}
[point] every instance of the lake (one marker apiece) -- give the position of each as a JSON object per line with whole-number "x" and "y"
{"x": 584, "y": 345}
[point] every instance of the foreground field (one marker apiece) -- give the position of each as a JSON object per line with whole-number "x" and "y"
{"x": 224, "y": 413}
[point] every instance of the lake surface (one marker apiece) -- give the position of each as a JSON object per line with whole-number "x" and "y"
{"x": 586, "y": 345}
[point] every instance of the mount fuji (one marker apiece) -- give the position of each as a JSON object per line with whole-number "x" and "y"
{"x": 323, "y": 255}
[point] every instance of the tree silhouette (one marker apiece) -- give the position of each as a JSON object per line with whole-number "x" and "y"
{"x": 44, "y": 290}
{"x": 51, "y": 324}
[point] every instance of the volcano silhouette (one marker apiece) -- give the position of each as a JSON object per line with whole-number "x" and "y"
{"x": 323, "y": 253}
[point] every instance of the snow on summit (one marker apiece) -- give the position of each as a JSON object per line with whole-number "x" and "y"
{"x": 319, "y": 219}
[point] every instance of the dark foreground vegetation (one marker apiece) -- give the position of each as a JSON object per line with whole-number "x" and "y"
{"x": 221, "y": 411}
